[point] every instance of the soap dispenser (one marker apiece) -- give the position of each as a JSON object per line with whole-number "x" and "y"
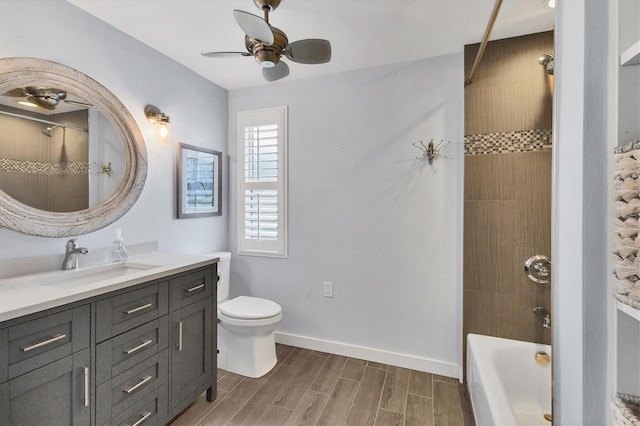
{"x": 118, "y": 252}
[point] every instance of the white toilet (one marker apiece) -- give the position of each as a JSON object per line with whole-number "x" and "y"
{"x": 245, "y": 329}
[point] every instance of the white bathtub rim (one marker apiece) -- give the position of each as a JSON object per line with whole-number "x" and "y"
{"x": 501, "y": 410}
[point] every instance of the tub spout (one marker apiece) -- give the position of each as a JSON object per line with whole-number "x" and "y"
{"x": 543, "y": 314}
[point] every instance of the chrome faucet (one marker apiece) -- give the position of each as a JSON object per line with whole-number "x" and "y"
{"x": 542, "y": 313}
{"x": 71, "y": 255}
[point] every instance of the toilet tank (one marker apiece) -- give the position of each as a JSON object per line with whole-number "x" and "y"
{"x": 223, "y": 274}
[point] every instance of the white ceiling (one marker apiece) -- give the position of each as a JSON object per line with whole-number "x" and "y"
{"x": 363, "y": 33}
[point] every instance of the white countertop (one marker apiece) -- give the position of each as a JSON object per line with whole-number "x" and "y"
{"x": 27, "y": 294}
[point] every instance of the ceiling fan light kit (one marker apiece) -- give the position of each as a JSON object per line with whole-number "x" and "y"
{"x": 267, "y": 44}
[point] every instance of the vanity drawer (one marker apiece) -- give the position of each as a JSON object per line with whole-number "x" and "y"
{"x": 123, "y": 312}
{"x": 117, "y": 395}
{"x": 38, "y": 342}
{"x": 150, "y": 410}
{"x": 192, "y": 287}
{"x": 122, "y": 352}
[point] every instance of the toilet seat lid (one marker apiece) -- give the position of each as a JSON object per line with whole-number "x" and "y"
{"x": 245, "y": 307}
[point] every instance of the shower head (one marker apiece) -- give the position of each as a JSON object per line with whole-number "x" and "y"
{"x": 546, "y": 61}
{"x": 47, "y": 131}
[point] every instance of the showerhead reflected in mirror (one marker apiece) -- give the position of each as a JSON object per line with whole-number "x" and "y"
{"x": 49, "y": 156}
{"x": 546, "y": 61}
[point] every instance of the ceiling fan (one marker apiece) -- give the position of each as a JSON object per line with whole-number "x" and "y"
{"x": 267, "y": 44}
{"x": 45, "y": 97}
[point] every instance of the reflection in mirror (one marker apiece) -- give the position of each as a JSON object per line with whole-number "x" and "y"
{"x": 74, "y": 138}
{"x": 61, "y": 160}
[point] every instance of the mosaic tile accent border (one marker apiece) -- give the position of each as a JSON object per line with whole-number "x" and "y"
{"x": 41, "y": 168}
{"x": 508, "y": 142}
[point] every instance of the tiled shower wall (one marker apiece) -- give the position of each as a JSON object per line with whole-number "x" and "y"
{"x": 507, "y": 197}
{"x": 48, "y": 173}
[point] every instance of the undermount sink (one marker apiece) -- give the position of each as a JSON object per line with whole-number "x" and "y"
{"x": 82, "y": 276}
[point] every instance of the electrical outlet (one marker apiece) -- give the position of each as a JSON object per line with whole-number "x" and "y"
{"x": 328, "y": 289}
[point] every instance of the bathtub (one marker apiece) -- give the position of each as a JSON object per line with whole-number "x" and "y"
{"x": 506, "y": 384}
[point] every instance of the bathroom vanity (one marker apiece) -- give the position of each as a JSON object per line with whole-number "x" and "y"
{"x": 128, "y": 343}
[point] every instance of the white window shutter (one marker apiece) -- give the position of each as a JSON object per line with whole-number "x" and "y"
{"x": 262, "y": 182}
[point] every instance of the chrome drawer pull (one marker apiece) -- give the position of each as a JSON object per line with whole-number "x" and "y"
{"x": 198, "y": 287}
{"x": 43, "y": 343}
{"x": 137, "y": 348}
{"x": 138, "y": 309}
{"x": 180, "y": 336}
{"x": 137, "y": 385}
{"x": 86, "y": 386}
{"x": 145, "y": 416}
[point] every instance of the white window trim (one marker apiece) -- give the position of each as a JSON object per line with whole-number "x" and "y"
{"x": 277, "y": 115}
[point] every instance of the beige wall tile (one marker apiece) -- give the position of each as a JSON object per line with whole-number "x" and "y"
{"x": 513, "y": 92}
{"x": 507, "y": 211}
{"x": 490, "y": 230}
{"x": 490, "y": 177}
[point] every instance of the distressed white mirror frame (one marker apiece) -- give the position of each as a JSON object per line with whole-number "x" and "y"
{"x": 14, "y": 215}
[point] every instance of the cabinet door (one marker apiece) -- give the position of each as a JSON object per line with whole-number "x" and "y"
{"x": 57, "y": 393}
{"x": 192, "y": 342}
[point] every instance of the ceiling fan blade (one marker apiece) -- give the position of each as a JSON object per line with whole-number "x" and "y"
{"x": 15, "y": 93}
{"x": 225, "y": 54}
{"x": 254, "y": 26}
{"x": 46, "y": 91}
{"x": 281, "y": 70}
{"x": 309, "y": 51}
{"x": 78, "y": 103}
{"x": 42, "y": 103}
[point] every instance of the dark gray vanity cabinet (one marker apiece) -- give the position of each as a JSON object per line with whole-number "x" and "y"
{"x": 46, "y": 363}
{"x": 132, "y": 360}
{"x": 135, "y": 356}
{"x": 193, "y": 339}
{"x": 58, "y": 393}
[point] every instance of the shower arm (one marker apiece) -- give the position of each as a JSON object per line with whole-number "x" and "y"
{"x": 485, "y": 40}
{"x": 53, "y": 123}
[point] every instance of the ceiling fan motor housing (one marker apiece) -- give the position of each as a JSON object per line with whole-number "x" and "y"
{"x": 271, "y": 5}
{"x": 267, "y": 56}
{"x": 267, "y": 44}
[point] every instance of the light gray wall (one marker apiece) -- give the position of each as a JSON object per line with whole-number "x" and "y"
{"x": 384, "y": 227}
{"x": 137, "y": 75}
{"x": 580, "y": 221}
{"x": 596, "y": 183}
{"x": 628, "y": 32}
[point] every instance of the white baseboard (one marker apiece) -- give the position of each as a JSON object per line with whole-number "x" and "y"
{"x": 370, "y": 354}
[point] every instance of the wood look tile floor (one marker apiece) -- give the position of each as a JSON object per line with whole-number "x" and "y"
{"x": 315, "y": 388}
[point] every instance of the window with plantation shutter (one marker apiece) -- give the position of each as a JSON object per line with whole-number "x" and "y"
{"x": 262, "y": 182}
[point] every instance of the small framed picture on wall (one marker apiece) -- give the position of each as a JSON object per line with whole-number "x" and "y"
{"x": 199, "y": 172}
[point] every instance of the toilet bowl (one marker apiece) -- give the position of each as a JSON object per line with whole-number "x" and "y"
{"x": 246, "y": 326}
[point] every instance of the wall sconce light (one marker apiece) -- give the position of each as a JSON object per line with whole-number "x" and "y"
{"x": 159, "y": 118}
